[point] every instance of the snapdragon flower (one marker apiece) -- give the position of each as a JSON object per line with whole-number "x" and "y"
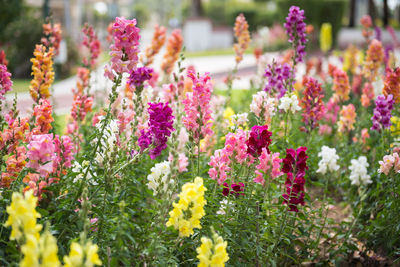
{"x": 359, "y": 173}
{"x": 159, "y": 178}
{"x": 289, "y": 103}
{"x": 328, "y": 160}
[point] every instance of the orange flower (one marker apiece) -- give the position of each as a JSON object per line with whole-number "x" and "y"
{"x": 44, "y": 118}
{"x": 242, "y": 35}
{"x": 157, "y": 42}
{"x": 42, "y": 71}
{"x": 392, "y": 84}
{"x": 174, "y": 46}
{"x": 347, "y": 118}
{"x": 367, "y": 95}
{"x": 341, "y": 85}
{"x": 374, "y": 59}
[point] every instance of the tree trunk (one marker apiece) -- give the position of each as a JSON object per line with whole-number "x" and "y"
{"x": 352, "y": 16}
{"x": 386, "y": 14}
{"x": 197, "y": 8}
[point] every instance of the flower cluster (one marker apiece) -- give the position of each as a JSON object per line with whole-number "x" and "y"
{"x": 44, "y": 117}
{"x": 390, "y": 162}
{"x": 366, "y": 22}
{"x": 328, "y": 160}
{"x": 159, "y": 178}
{"x": 22, "y": 215}
{"x": 235, "y": 145}
{"x": 263, "y": 106}
{"x": 312, "y": 104}
{"x": 367, "y": 95}
{"x": 188, "y": 211}
{"x": 160, "y": 127}
{"x": 5, "y": 81}
{"x": 392, "y": 84}
{"x": 278, "y": 78}
{"x": 92, "y": 43}
{"x": 157, "y": 42}
{"x": 347, "y": 118}
{"x": 124, "y": 51}
{"x": 42, "y": 71}
{"x": 382, "y": 112}
{"x": 351, "y": 59}
{"x": 41, "y": 153}
{"x": 108, "y": 140}
{"x": 295, "y": 166}
{"x": 198, "y": 120}
{"x": 373, "y": 60}
{"x": 341, "y": 85}
{"x": 138, "y": 76}
{"x": 289, "y": 103}
{"x": 270, "y": 165}
{"x": 212, "y": 252}
{"x": 259, "y": 138}
{"x": 53, "y": 36}
{"x": 82, "y": 255}
{"x": 325, "y": 37}
{"x": 296, "y": 30}
{"x": 359, "y": 173}
{"x": 174, "y": 46}
{"x": 242, "y": 35}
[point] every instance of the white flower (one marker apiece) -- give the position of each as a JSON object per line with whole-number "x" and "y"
{"x": 159, "y": 177}
{"x": 224, "y": 206}
{"x": 81, "y": 170}
{"x": 108, "y": 139}
{"x": 328, "y": 161}
{"x": 239, "y": 119}
{"x": 290, "y": 103}
{"x": 359, "y": 173}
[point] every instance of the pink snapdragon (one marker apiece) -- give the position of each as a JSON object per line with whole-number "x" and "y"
{"x": 65, "y": 151}
{"x": 182, "y": 162}
{"x": 270, "y": 164}
{"x": 41, "y": 153}
{"x": 124, "y": 51}
{"x": 390, "y": 162}
{"x": 5, "y": 81}
{"x": 198, "y": 120}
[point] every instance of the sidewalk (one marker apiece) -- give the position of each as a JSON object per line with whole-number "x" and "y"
{"x": 62, "y": 97}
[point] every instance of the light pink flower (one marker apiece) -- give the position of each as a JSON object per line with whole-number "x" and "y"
{"x": 182, "y": 162}
{"x": 270, "y": 164}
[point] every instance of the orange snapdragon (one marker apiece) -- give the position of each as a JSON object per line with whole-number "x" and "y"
{"x": 242, "y": 35}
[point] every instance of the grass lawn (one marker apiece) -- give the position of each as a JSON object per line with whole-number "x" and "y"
{"x": 20, "y": 85}
{"x": 218, "y": 52}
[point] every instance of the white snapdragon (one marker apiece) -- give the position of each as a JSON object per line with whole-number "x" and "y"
{"x": 159, "y": 180}
{"x": 328, "y": 160}
{"x": 81, "y": 170}
{"x": 289, "y": 103}
{"x": 108, "y": 140}
{"x": 239, "y": 119}
{"x": 359, "y": 173}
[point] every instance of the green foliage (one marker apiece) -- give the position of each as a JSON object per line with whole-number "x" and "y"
{"x": 9, "y": 12}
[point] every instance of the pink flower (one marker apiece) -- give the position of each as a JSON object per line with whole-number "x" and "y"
{"x": 41, "y": 153}
{"x": 220, "y": 166}
{"x": 5, "y": 81}
{"x": 124, "y": 51}
{"x": 325, "y": 129}
{"x": 198, "y": 120}
{"x": 65, "y": 151}
{"x": 270, "y": 164}
{"x": 389, "y": 162}
{"x": 182, "y": 162}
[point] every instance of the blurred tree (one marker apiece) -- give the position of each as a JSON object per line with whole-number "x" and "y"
{"x": 197, "y": 8}
{"x": 9, "y": 11}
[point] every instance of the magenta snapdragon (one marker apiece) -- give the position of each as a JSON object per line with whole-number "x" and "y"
{"x": 296, "y": 31}
{"x": 382, "y": 112}
{"x": 5, "y": 81}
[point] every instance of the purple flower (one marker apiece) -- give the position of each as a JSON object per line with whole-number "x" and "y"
{"x": 138, "y": 76}
{"x": 382, "y": 112}
{"x": 277, "y": 78}
{"x": 296, "y": 30}
{"x": 378, "y": 33}
{"x": 160, "y": 128}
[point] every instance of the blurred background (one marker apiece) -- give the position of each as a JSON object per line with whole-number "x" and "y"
{"x": 206, "y": 24}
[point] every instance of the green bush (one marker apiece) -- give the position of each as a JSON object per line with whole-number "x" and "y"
{"x": 317, "y": 12}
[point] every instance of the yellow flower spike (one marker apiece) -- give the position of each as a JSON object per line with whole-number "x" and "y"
{"x": 30, "y": 250}
{"x": 212, "y": 252}
{"x": 192, "y": 195}
{"x": 49, "y": 250}
{"x": 23, "y": 215}
{"x": 325, "y": 37}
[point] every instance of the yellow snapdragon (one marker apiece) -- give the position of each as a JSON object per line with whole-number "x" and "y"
{"x": 228, "y": 113}
{"x": 23, "y": 215}
{"x": 212, "y": 252}
{"x": 82, "y": 255}
{"x": 186, "y": 214}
